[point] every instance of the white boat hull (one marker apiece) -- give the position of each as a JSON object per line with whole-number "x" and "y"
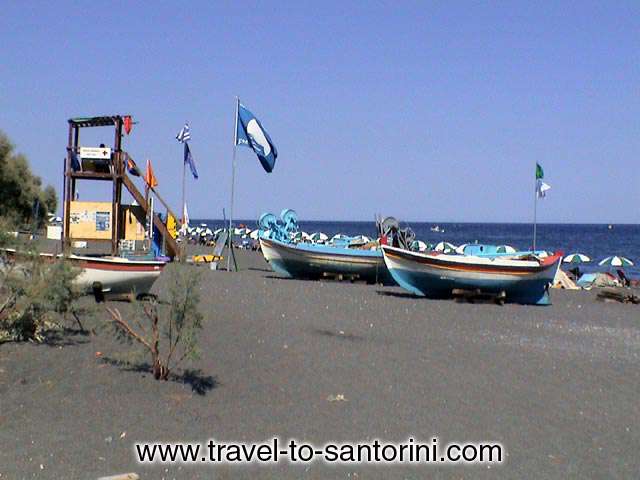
{"x": 116, "y": 275}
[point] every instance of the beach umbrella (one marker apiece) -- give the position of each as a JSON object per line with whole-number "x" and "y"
{"x": 445, "y": 247}
{"x": 420, "y": 246}
{"x": 305, "y": 236}
{"x": 338, "y": 236}
{"x": 359, "y": 240}
{"x": 241, "y": 231}
{"x": 254, "y": 235}
{"x": 576, "y": 258}
{"x": 217, "y": 231}
{"x": 319, "y": 237}
{"x": 460, "y": 249}
{"x": 505, "y": 249}
{"x": 616, "y": 261}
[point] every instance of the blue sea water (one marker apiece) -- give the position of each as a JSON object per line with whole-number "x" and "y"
{"x": 595, "y": 240}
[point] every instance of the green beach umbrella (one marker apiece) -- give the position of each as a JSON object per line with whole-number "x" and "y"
{"x": 576, "y": 258}
{"x": 445, "y": 247}
{"x": 616, "y": 261}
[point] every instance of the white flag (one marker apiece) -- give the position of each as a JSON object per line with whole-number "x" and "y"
{"x": 541, "y": 188}
{"x": 185, "y": 220}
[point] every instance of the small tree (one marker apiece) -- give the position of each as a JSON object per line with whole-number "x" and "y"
{"x": 35, "y": 296}
{"x": 50, "y": 199}
{"x": 168, "y": 333}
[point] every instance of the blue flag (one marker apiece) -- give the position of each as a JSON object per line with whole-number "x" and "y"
{"x": 75, "y": 163}
{"x": 189, "y": 159}
{"x": 250, "y": 133}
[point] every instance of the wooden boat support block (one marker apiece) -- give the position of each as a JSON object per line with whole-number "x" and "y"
{"x": 352, "y": 277}
{"x": 123, "y": 476}
{"x": 614, "y": 295}
{"x": 477, "y": 295}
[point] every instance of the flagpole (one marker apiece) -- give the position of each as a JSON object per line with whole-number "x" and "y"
{"x": 233, "y": 181}
{"x": 184, "y": 183}
{"x": 535, "y": 208}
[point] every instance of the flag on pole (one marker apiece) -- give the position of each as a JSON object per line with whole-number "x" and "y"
{"x": 128, "y": 124}
{"x": 541, "y": 186}
{"x": 149, "y": 176}
{"x": 184, "y": 135}
{"x": 250, "y": 133}
{"x": 75, "y": 163}
{"x": 185, "y": 215}
{"x": 132, "y": 167}
{"x": 188, "y": 159}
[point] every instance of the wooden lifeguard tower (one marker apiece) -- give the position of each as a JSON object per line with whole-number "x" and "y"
{"x": 107, "y": 164}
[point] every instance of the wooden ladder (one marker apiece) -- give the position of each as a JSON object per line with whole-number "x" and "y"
{"x": 170, "y": 242}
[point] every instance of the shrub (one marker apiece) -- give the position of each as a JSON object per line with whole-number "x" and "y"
{"x": 167, "y": 333}
{"x": 35, "y": 296}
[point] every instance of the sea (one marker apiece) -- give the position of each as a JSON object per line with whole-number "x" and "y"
{"x": 597, "y": 241}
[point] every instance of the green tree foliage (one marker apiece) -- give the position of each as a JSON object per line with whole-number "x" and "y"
{"x": 20, "y": 189}
{"x": 36, "y": 295}
{"x": 50, "y": 199}
{"x": 167, "y": 333}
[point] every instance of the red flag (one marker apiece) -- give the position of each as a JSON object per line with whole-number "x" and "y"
{"x": 149, "y": 177}
{"x": 128, "y": 124}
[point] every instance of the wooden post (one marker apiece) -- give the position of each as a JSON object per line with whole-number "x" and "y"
{"x": 117, "y": 186}
{"x": 66, "y": 194}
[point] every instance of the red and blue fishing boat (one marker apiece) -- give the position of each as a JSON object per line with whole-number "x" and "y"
{"x": 524, "y": 277}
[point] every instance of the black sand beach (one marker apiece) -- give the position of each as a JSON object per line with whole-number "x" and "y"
{"x": 558, "y": 386}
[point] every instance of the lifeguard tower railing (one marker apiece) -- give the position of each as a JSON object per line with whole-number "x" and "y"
{"x": 108, "y": 164}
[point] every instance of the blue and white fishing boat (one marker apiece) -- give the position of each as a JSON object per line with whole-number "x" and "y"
{"x": 524, "y": 277}
{"x": 349, "y": 258}
{"x": 308, "y": 260}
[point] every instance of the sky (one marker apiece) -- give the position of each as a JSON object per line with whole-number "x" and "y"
{"x": 427, "y": 111}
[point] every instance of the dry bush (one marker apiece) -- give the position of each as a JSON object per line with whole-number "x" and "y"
{"x": 167, "y": 333}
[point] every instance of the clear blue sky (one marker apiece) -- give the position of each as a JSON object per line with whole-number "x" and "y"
{"x": 426, "y": 110}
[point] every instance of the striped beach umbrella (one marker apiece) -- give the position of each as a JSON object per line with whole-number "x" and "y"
{"x": 445, "y": 247}
{"x": 576, "y": 258}
{"x": 615, "y": 261}
{"x": 419, "y": 245}
{"x": 319, "y": 237}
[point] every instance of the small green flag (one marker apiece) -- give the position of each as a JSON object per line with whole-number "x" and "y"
{"x": 539, "y": 172}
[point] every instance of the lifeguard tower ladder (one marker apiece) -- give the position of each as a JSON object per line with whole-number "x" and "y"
{"x": 107, "y": 164}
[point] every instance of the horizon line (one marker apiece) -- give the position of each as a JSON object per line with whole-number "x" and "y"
{"x": 439, "y": 222}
